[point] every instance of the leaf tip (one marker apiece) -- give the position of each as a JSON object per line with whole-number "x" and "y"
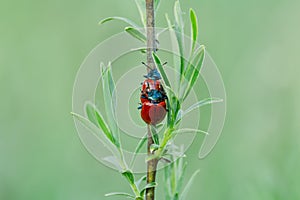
{"x": 102, "y": 21}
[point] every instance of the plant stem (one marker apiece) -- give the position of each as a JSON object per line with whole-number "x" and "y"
{"x": 151, "y": 168}
{"x": 167, "y": 136}
{"x": 135, "y": 189}
{"x": 151, "y": 47}
{"x": 151, "y": 41}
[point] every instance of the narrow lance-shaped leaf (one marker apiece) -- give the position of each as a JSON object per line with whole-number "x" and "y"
{"x": 189, "y": 72}
{"x": 185, "y": 191}
{"x": 181, "y": 170}
{"x": 123, "y": 19}
{"x": 198, "y": 60}
{"x": 167, "y": 183}
{"x": 178, "y": 15}
{"x": 112, "y": 87}
{"x": 138, "y": 148}
{"x": 188, "y": 130}
{"x": 91, "y": 111}
{"x": 111, "y": 83}
{"x": 136, "y": 33}
{"x": 112, "y": 160}
{"x": 173, "y": 177}
{"x": 98, "y": 133}
{"x": 129, "y": 176}
{"x": 173, "y": 106}
{"x": 179, "y": 31}
{"x": 141, "y": 5}
{"x": 179, "y": 116}
{"x": 149, "y": 185}
{"x": 194, "y": 27}
{"x": 142, "y": 179}
{"x": 176, "y": 105}
{"x": 143, "y": 50}
{"x": 161, "y": 70}
{"x": 201, "y": 103}
{"x": 108, "y": 87}
{"x": 176, "y": 196}
{"x": 161, "y": 31}
{"x": 176, "y": 51}
{"x": 122, "y": 194}
{"x": 153, "y": 147}
{"x": 154, "y": 134}
{"x": 91, "y": 114}
{"x": 156, "y": 4}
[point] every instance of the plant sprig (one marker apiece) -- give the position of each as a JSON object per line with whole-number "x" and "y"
{"x": 107, "y": 131}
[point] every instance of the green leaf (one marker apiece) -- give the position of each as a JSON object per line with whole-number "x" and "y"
{"x": 176, "y": 196}
{"x": 153, "y": 147}
{"x": 179, "y": 31}
{"x": 181, "y": 173}
{"x": 179, "y": 116}
{"x": 108, "y": 87}
{"x": 154, "y": 134}
{"x": 193, "y": 71}
{"x": 129, "y": 176}
{"x": 177, "y": 60}
{"x": 173, "y": 106}
{"x": 173, "y": 151}
{"x": 128, "y": 21}
{"x": 98, "y": 133}
{"x": 112, "y": 160}
{"x": 160, "y": 125}
{"x": 92, "y": 111}
{"x": 190, "y": 70}
{"x": 178, "y": 15}
{"x": 141, "y": 5}
{"x": 188, "y": 130}
{"x": 143, "y": 50}
{"x": 159, "y": 32}
{"x": 173, "y": 178}
{"x": 201, "y": 103}
{"x": 161, "y": 70}
{"x": 110, "y": 80}
{"x": 185, "y": 191}
{"x": 138, "y": 148}
{"x": 167, "y": 188}
{"x": 136, "y": 34}
{"x": 123, "y": 194}
{"x": 194, "y": 26}
{"x": 149, "y": 185}
{"x": 109, "y": 83}
{"x": 91, "y": 114}
{"x": 142, "y": 179}
{"x": 156, "y": 4}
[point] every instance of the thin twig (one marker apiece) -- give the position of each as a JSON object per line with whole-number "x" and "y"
{"x": 151, "y": 47}
{"x": 151, "y": 44}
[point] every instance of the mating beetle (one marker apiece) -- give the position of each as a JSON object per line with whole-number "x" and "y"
{"x": 153, "y": 98}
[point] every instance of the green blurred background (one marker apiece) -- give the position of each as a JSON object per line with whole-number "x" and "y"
{"x": 254, "y": 43}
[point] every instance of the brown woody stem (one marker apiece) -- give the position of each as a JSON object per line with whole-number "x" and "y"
{"x": 151, "y": 47}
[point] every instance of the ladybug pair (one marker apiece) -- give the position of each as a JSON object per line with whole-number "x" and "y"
{"x": 153, "y": 98}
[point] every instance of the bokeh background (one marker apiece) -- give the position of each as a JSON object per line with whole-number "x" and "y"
{"x": 254, "y": 43}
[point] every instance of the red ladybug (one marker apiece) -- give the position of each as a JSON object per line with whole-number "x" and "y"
{"x": 153, "y": 99}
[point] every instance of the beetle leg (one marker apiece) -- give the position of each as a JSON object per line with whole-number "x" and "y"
{"x": 140, "y": 106}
